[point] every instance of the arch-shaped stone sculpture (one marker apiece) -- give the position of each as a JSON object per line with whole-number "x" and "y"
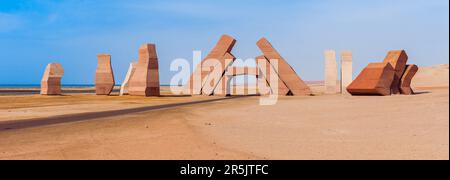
{"x": 215, "y": 71}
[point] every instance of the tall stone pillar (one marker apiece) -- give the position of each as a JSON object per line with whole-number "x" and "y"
{"x": 330, "y": 72}
{"x": 346, "y": 71}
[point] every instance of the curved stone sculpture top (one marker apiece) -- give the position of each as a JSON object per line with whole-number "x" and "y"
{"x": 126, "y": 82}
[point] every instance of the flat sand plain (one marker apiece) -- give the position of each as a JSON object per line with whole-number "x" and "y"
{"x": 315, "y": 127}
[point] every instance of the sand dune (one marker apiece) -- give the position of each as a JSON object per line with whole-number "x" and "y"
{"x": 434, "y": 76}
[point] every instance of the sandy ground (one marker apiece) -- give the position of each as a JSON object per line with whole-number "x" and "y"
{"x": 316, "y": 127}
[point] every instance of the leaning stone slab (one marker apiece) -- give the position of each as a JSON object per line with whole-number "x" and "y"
{"x": 286, "y": 73}
{"x": 405, "y": 83}
{"x": 224, "y": 46}
{"x": 126, "y": 82}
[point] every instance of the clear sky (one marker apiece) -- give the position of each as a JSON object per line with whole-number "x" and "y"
{"x": 72, "y": 32}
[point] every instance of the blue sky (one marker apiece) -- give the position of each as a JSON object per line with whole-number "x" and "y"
{"x": 72, "y": 32}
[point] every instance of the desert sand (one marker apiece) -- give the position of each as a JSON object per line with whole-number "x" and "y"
{"x": 315, "y": 127}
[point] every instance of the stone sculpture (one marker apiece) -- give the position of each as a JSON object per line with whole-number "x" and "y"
{"x": 104, "y": 76}
{"x": 51, "y": 81}
{"x": 331, "y": 78}
{"x": 126, "y": 82}
{"x": 145, "y": 80}
{"x": 346, "y": 70}
{"x": 405, "y": 83}
{"x": 286, "y": 73}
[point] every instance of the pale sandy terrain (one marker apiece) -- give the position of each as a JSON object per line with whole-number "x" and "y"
{"x": 316, "y": 127}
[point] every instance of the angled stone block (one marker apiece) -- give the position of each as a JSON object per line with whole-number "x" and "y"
{"x": 331, "y": 78}
{"x": 346, "y": 70}
{"x": 405, "y": 83}
{"x": 287, "y": 74}
{"x": 224, "y": 46}
{"x": 104, "y": 76}
{"x": 51, "y": 80}
{"x": 145, "y": 80}
{"x": 126, "y": 82}
{"x": 398, "y": 60}
{"x": 375, "y": 79}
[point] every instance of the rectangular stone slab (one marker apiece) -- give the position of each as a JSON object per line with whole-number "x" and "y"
{"x": 331, "y": 77}
{"x": 286, "y": 73}
{"x": 104, "y": 76}
{"x": 405, "y": 84}
{"x": 398, "y": 60}
{"x": 375, "y": 79}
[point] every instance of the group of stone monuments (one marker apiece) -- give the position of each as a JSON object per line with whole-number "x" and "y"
{"x": 212, "y": 76}
{"x": 392, "y": 76}
{"x": 142, "y": 78}
{"x": 274, "y": 75}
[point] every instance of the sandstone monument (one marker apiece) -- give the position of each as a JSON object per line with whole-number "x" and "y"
{"x": 331, "y": 77}
{"x": 405, "y": 83}
{"x": 126, "y": 82}
{"x": 389, "y": 77}
{"x": 346, "y": 70}
{"x": 145, "y": 80}
{"x": 104, "y": 76}
{"x": 51, "y": 81}
{"x": 297, "y": 87}
{"x": 212, "y": 75}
